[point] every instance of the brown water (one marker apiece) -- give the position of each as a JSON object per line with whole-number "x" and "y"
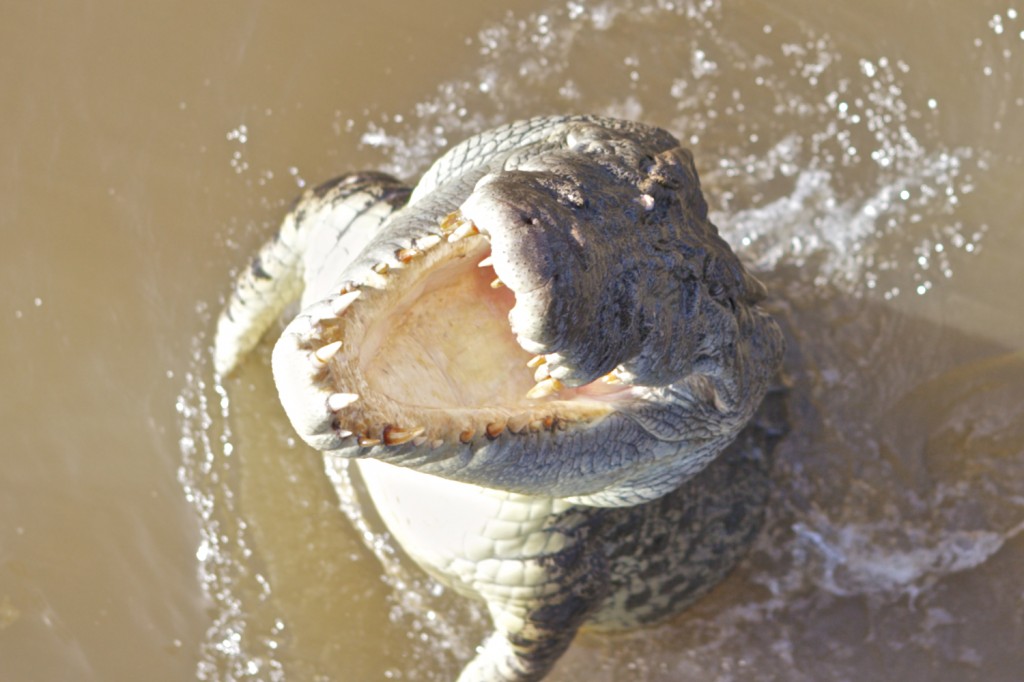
{"x": 867, "y": 156}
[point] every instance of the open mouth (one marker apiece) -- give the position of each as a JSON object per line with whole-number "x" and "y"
{"x": 422, "y": 352}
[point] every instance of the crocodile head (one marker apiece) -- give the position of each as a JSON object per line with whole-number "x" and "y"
{"x": 575, "y": 328}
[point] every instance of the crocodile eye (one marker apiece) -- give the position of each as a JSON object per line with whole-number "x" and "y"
{"x": 717, "y": 292}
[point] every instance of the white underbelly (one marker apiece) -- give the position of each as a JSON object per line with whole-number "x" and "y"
{"x": 476, "y": 539}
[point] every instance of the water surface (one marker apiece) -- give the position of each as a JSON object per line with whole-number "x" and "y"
{"x": 865, "y": 157}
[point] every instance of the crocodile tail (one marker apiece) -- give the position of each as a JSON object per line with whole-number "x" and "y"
{"x": 332, "y": 220}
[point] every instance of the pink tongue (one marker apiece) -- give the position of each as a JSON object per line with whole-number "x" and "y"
{"x": 598, "y": 390}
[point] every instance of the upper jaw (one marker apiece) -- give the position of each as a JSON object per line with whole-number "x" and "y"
{"x": 614, "y": 265}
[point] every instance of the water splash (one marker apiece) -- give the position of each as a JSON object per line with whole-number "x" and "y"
{"x": 236, "y": 647}
{"x": 889, "y": 558}
{"x": 810, "y": 156}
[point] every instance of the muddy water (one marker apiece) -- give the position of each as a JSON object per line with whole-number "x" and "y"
{"x": 866, "y": 156}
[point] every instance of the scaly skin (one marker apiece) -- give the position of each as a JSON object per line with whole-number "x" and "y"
{"x": 551, "y": 442}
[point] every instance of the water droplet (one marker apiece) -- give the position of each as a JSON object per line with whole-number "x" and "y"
{"x": 239, "y": 134}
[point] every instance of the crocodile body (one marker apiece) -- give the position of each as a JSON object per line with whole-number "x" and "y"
{"x": 543, "y": 359}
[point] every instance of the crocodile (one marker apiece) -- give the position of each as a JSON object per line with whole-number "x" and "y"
{"x": 547, "y": 365}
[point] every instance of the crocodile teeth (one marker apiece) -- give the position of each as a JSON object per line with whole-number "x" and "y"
{"x": 497, "y": 283}
{"x": 339, "y": 401}
{"x": 718, "y": 402}
{"x": 366, "y": 442}
{"x": 381, "y": 268}
{"x": 427, "y": 242}
{"x": 466, "y": 436}
{"x": 406, "y": 255}
{"x": 494, "y": 430}
{"x": 324, "y": 354}
{"x": 342, "y": 302}
{"x": 463, "y": 231}
{"x": 536, "y": 361}
{"x": 518, "y": 423}
{"x": 611, "y": 378}
{"x": 397, "y": 436}
{"x": 544, "y": 388}
{"x": 702, "y": 388}
{"x": 542, "y": 372}
{"x": 486, "y": 262}
{"x": 452, "y": 221}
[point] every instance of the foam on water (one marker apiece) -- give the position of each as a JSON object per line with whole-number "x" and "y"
{"x": 234, "y": 648}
